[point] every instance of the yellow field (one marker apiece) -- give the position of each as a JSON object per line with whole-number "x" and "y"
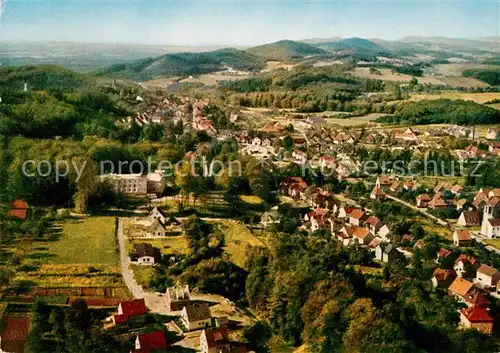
{"x": 476, "y": 97}
{"x": 493, "y": 242}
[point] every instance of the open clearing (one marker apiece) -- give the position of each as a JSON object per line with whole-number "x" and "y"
{"x": 476, "y": 97}
{"x": 388, "y": 75}
{"x": 89, "y": 240}
{"x": 238, "y": 237}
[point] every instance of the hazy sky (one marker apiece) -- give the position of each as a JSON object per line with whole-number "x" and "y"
{"x": 205, "y": 22}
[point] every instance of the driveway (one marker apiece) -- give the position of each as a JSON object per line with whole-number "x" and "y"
{"x": 154, "y": 301}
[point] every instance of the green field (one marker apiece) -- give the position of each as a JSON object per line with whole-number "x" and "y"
{"x": 80, "y": 241}
{"x": 238, "y": 238}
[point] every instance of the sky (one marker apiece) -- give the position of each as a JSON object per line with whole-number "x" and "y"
{"x": 243, "y": 23}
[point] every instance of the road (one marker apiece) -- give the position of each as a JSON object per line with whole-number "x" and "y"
{"x": 154, "y": 301}
{"x": 422, "y": 211}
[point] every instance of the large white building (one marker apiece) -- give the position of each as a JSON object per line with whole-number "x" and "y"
{"x": 133, "y": 184}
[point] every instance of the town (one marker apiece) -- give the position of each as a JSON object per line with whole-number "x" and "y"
{"x": 318, "y": 195}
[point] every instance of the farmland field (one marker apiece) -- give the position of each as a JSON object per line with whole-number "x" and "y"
{"x": 476, "y": 97}
{"x": 451, "y": 80}
{"x": 82, "y": 241}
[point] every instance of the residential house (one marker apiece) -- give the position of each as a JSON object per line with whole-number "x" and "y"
{"x": 456, "y": 189}
{"x": 396, "y": 186}
{"x": 377, "y": 194}
{"x": 469, "y": 219}
{"x": 460, "y": 288}
{"x": 196, "y": 317}
{"x": 384, "y": 182}
{"x": 156, "y": 229}
{"x": 375, "y": 243}
{"x": 409, "y": 185}
{"x": 487, "y": 276}
{"x": 269, "y": 219}
{"x": 477, "y": 318}
{"x": 374, "y": 224}
{"x": 462, "y": 204}
{"x": 357, "y": 217}
{"x": 437, "y": 202}
{"x": 442, "y": 254}
{"x": 177, "y": 297}
{"x": 128, "y": 309}
{"x": 158, "y": 214}
{"x": 466, "y": 266}
{"x": 345, "y": 212}
{"x": 384, "y": 232}
{"x": 146, "y": 254}
{"x": 462, "y": 238}
{"x": 493, "y": 134}
{"x": 362, "y": 236}
{"x": 387, "y": 253}
{"x": 150, "y": 342}
{"x": 443, "y": 278}
{"x": 423, "y": 201}
{"x": 18, "y": 209}
{"x": 215, "y": 341}
{"x": 299, "y": 157}
{"x": 327, "y": 162}
{"x": 346, "y": 235}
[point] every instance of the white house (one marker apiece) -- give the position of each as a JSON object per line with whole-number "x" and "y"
{"x": 196, "y": 317}
{"x": 487, "y": 276}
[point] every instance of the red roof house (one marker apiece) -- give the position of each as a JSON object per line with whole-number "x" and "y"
{"x": 19, "y": 209}
{"x": 129, "y": 308}
{"x": 146, "y": 342}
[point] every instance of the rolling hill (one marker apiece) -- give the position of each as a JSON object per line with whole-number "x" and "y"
{"x": 184, "y": 64}
{"x": 285, "y": 50}
{"x": 42, "y": 77}
{"x": 355, "y": 44}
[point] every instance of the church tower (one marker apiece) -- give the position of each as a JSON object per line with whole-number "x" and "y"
{"x": 488, "y": 214}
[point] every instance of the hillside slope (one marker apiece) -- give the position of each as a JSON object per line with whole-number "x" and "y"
{"x": 184, "y": 64}
{"x": 285, "y": 50}
{"x": 41, "y": 77}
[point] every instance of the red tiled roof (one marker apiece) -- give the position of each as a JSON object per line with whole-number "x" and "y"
{"x": 216, "y": 337}
{"x": 495, "y": 222}
{"x": 477, "y": 314}
{"x": 19, "y": 204}
{"x": 20, "y": 214}
{"x": 357, "y": 214}
{"x": 153, "y": 340}
{"x": 134, "y": 307}
{"x": 443, "y": 274}
{"x": 463, "y": 234}
{"x": 119, "y": 319}
{"x": 442, "y": 253}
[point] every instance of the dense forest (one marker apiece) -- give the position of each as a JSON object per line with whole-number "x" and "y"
{"x": 442, "y": 111}
{"x": 490, "y": 76}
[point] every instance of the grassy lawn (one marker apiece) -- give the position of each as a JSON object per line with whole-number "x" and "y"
{"x": 493, "y": 242}
{"x": 167, "y": 245}
{"x": 142, "y": 274}
{"x": 81, "y": 241}
{"x": 237, "y": 238}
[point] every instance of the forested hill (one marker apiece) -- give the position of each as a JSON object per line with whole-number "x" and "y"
{"x": 184, "y": 64}
{"x": 285, "y": 50}
{"x": 443, "y": 111}
{"x": 355, "y": 44}
{"x": 42, "y": 77}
